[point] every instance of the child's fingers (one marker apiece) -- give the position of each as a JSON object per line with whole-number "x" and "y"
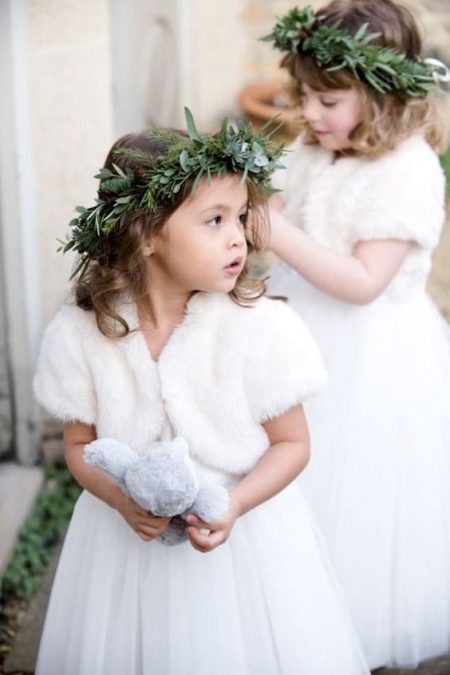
{"x": 198, "y": 540}
{"x": 196, "y": 521}
{"x": 140, "y": 511}
{"x": 148, "y": 533}
{"x": 157, "y": 522}
{"x": 205, "y": 542}
{"x": 276, "y": 202}
{"x": 148, "y": 529}
{"x": 148, "y": 518}
{"x": 145, "y": 537}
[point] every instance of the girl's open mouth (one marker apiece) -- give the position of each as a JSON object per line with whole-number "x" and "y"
{"x": 234, "y": 268}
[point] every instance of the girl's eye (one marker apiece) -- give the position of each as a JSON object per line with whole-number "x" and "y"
{"x": 243, "y": 218}
{"x": 214, "y": 222}
{"x": 329, "y": 104}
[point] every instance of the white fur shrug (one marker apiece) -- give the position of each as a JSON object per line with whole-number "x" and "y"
{"x": 338, "y": 203}
{"x": 224, "y": 370}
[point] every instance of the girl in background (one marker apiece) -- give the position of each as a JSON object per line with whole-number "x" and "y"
{"x": 363, "y": 207}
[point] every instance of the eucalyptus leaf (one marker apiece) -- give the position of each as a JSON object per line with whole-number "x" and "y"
{"x": 184, "y": 157}
{"x": 190, "y": 125}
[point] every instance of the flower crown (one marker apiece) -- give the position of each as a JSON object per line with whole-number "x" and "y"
{"x": 383, "y": 68}
{"x": 187, "y": 159}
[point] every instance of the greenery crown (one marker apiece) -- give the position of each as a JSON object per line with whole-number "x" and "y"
{"x": 383, "y": 68}
{"x": 187, "y": 160}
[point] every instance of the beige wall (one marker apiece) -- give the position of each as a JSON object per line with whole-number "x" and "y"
{"x": 71, "y": 114}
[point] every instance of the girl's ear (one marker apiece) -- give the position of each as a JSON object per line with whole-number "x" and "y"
{"x": 148, "y": 248}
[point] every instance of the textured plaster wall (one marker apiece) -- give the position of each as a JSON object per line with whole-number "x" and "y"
{"x": 218, "y": 51}
{"x": 70, "y": 102}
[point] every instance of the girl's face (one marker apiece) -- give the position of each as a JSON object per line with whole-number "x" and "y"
{"x": 202, "y": 246}
{"x": 332, "y": 115}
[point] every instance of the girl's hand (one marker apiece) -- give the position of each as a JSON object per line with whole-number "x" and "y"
{"x": 218, "y": 532}
{"x": 276, "y": 202}
{"x": 144, "y": 523}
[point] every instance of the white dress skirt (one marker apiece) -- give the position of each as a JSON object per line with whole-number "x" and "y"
{"x": 264, "y": 603}
{"x": 379, "y": 478}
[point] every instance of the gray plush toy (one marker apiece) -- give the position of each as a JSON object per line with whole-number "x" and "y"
{"x": 164, "y": 482}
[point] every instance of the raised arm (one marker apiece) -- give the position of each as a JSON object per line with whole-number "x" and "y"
{"x": 100, "y": 484}
{"x": 358, "y": 278}
{"x": 286, "y": 457}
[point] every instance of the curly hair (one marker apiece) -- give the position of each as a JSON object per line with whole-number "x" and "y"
{"x": 388, "y": 118}
{"x": 120, "y": 270}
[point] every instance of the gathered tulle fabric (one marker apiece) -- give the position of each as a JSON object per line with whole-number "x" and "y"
{"x": 378, "y": 481}
{"x": 264, "y": 603}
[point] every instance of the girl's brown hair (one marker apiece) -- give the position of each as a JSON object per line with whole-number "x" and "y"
{"x": 387, "y": 118}
{"x": 120, "y": 270}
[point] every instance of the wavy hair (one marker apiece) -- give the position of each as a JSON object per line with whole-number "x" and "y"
{"x": 388, "y": 118}
{"x": 120, "y": 270}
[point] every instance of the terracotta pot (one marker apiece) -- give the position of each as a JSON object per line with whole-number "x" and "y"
{"x": 264, "y": 100}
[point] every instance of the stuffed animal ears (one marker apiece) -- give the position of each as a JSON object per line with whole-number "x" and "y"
{"x": 110, "y": 455}
{"x": 178, "y": 446}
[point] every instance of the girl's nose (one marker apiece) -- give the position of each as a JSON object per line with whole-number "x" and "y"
{"x": 237, "y": 236}
{"x": 311, "y": 110}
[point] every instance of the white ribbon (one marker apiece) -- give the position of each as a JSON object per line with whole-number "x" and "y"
{"x": 441, "y": 73}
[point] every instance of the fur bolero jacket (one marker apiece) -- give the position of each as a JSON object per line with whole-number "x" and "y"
{"x": 340, "y": 202}
{"x": 224, "y": 371}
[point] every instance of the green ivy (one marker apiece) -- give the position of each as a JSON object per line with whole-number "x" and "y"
{"x": 445, "y": 161}
{"x": 37, "y": 538}
{"x": 42, "y": 530}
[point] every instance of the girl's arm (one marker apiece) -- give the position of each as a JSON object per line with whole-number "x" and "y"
{"x": 100, "y": 484}
{"x": 286, "y": 457}
{"x": 358, "y": 278}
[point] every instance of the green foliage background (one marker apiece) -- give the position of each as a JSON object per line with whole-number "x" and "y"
{"x": 445, "y": 161}
{"x": 51, "y": 513}
{"x": 37, "y": 538}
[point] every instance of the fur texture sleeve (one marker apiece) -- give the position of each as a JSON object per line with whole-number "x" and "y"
{"x": 403, "y": 197}
{"x": 283, "y": 366}
{"x": 63, "y": 382}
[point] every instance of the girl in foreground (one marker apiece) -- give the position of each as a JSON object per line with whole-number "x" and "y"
{"x": 169, "y": 336}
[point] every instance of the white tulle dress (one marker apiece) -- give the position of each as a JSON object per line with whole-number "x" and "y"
{"x": 379, "y": 477}
{"x": 264, "y": 603}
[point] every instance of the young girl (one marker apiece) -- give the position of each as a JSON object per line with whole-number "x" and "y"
{"x": 169, "y": 336}
{"x": 364, "y": 192}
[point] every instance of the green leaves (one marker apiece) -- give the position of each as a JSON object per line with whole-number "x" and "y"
{"x": 384, "y": 69}
{"x": 41, "y": 531}
{"x": 190, "y": 125}
{"x": 184, "y": 156}
{"x": 287, "y": 33}
{"x": 235, "y": 148}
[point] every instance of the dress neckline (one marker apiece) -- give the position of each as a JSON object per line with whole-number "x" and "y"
{"x": 128, "y": 309}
